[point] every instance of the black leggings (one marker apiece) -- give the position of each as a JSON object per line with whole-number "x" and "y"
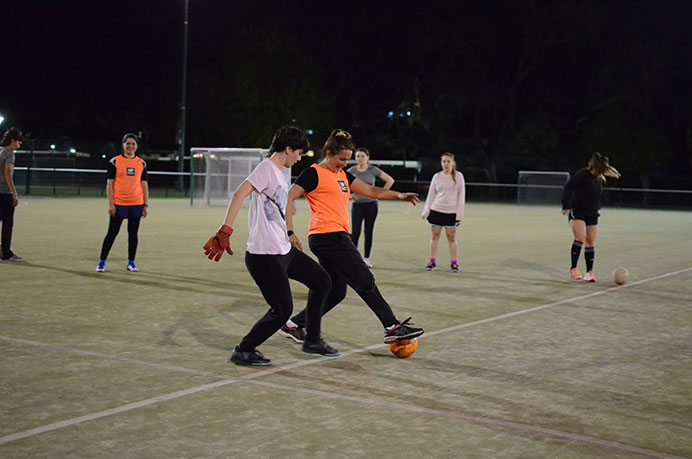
{"x": 7, "y": 219}
{"x": 114, "y": 229}
{"x": 363, "y": 211}
{"x": 271, "y": 274}
{"x": 340, "y": 258}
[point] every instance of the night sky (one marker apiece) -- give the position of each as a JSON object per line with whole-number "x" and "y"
{"x": 504, "y": 84}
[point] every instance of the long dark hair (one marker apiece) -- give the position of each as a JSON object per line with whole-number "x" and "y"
{"x": 11, "y": 134}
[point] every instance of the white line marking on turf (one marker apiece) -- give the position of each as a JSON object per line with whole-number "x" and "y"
{"x": 489, "y": 422}
{"x": 557, "y": 303}
{"x": 249, "y": 378}
{"x": 113, "y": 357}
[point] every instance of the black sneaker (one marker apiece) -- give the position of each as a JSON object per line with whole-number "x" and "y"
{"x": 320, "y": 347}
{"x": 254, "y": 358}
{"x": 431, "y": 267}
{"x": 297, "y": 334}
{"x": 401, "y": 331}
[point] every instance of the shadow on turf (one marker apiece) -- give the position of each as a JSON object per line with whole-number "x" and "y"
{"x": 202, "y": 329}
{"x": 141, "y": 279}
{"x": 541, "y": 383}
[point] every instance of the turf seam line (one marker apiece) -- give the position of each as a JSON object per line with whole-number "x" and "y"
{"x": 116, "y": 358}
{"x": 481, "y": 420}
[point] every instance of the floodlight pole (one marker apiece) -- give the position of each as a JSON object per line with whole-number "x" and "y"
{"x": 181, "y": 125}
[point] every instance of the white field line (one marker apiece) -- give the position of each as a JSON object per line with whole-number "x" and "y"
{"x": 479, "y": 420}
{"x": 248, "y": 378}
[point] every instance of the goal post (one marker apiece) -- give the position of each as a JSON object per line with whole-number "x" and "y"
{"x": 540, "y": 187}
{"x": 217, "y": 172}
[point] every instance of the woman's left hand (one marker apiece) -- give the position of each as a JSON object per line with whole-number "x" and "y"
{"x": 295, "y": 242}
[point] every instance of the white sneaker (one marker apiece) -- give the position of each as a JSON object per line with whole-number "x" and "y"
{"x": 367, "y": 262}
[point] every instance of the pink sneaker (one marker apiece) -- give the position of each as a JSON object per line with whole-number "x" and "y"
{"x": 589, "y": 277}
{"x": 574, "y": 273}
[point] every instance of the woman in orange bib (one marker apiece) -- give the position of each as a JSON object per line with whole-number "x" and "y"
{"x": 128, "y": 198}
{"x": 327, "y": 187}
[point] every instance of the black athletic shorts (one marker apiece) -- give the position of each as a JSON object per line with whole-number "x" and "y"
{"x": 589, "y": 219}
{"x": 440, "y": 219}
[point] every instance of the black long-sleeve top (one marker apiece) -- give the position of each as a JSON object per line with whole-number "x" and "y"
{"x": 582, "y": 193}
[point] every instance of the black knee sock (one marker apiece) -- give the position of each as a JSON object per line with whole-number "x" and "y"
{"x": 576, "y": 250}
{"x": 589, "y": 254}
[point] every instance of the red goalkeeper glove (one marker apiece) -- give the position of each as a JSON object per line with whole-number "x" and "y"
{"x": 218, "y": 243}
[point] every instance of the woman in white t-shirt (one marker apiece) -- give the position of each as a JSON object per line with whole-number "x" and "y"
{"x": 444, "y": 208}
{"x": 270, "y": 258}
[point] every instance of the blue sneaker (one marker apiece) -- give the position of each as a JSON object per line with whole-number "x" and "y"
{"x": 101, "y": 267}
{"x": 132, "y": 267}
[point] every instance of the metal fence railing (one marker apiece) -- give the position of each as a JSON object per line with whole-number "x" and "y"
{"x": 47, "y": 181}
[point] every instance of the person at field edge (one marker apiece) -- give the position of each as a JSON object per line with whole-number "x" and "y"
{"x": 581, "y": 201}
{"x": 11, "y": 141}
{"x": 444, "y": 208}
{"x": 364, "y": 209}
{"x": 128, "y": 198}
{"x": 270, "y": 259}
{"x": 327, "y": 188}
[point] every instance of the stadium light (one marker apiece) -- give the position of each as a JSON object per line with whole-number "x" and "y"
{"x": 2, "y": 118}
{"x": 183, "y": 99}
{"x": 72, "y": 150}
{"x": 52, "y": 146}
{"x": 309, "y": 132}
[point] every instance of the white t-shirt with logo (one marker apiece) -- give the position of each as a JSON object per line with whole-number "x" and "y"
{"x": 266, "y": 221}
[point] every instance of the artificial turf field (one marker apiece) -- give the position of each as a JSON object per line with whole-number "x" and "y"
{"x": 516, "y": 361}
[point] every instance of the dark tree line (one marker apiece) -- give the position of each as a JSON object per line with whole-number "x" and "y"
{"x": 503, "y": 84}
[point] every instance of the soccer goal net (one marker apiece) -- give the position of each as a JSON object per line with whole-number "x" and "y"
{"x": 217, "y": 172}
{"x": 540, "y": 187}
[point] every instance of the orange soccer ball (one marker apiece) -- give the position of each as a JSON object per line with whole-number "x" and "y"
{"x": 404, "y": 347}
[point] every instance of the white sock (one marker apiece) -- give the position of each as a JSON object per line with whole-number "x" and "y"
{"x": 291, "y": 324}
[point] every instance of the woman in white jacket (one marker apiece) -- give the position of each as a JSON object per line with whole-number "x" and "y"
{"x": 444, "y": 208}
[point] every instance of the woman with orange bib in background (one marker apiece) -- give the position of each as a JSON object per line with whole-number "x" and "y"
{"x": 128, "y": 198}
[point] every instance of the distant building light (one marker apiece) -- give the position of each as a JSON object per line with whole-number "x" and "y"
{"x": 390, "y": 115}
{"x": 72, "y": 150}
{"x": 310, "y": 132}
{"x": 408, "y": 113}
{"x": 52, "y": 146}
{"x": 103, "y": 156}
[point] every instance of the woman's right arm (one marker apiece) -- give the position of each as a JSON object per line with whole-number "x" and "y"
{"x": 567, "y": 193}
{"x": 431, "y": 197}
{"x": 111, "y": 200}
{"x": 9, "y": 172}
{"x": 242, "y": 192}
